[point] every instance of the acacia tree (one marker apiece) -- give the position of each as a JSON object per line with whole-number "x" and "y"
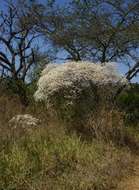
{"x": 100, "y": 30}
{"x": 17, "y": 46}
{"x": 16, "y": 38}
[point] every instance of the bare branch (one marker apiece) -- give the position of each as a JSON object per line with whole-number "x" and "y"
{"x": 133, "y": 71}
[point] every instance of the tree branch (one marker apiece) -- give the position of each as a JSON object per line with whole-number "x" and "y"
{"x": 133, "y": 71}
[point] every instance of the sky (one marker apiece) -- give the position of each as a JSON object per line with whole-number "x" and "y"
{"x": 58, "y": 1}
{"x": 120, "y": 66}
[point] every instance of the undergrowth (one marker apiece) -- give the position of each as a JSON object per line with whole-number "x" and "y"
{"x": 44, "y": 159}
{"x": 50, "y": 157}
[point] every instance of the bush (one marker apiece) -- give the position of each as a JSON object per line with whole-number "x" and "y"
{"x": 72, "y": 91}
{"x": 75, "y": 93}
{"x": 17, "y": 87}
{"x": 129, "y": 102}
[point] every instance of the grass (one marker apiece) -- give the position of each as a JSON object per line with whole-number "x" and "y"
{"x": 44, "y": 160}
{"x": 50, "y": 157}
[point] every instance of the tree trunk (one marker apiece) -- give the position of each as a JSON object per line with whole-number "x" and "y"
{"x": 21, "y": 91}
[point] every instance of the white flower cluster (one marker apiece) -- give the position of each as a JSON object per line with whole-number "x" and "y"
{"x": 23, "y": 121}
{"x": 75, "y": 76}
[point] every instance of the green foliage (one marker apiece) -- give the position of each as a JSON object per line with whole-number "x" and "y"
{"x": 10, "y": 87}
{"x": 129, "y": 102}
{"x": 17, "y": 87}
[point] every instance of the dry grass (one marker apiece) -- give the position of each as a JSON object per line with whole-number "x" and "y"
{"x": 51, "y": 158}
{"x": 107, "y": 124}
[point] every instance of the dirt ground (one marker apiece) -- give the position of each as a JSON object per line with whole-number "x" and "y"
{"x": 131, "y": 182}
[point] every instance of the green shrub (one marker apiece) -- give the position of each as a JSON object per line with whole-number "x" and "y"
{"x": 129, "y": 102}
{"x": 17, "y": 88}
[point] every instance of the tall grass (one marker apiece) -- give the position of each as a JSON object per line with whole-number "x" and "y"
{"x": 45, "y": 159}
{"x": 52, "y": 157}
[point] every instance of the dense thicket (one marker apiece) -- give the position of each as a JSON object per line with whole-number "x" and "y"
{"x": 129, "y": 102}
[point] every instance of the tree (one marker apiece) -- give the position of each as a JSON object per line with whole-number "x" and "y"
{"x": 16, "y": 39}
{"x": 42, "y": 59}
{"x": 100, "y": 30}
{"x": 17, "y": 46}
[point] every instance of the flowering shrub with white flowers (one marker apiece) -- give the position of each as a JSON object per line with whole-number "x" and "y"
{"x": 23, "y": 121}
{"x": 74, "y": 89}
